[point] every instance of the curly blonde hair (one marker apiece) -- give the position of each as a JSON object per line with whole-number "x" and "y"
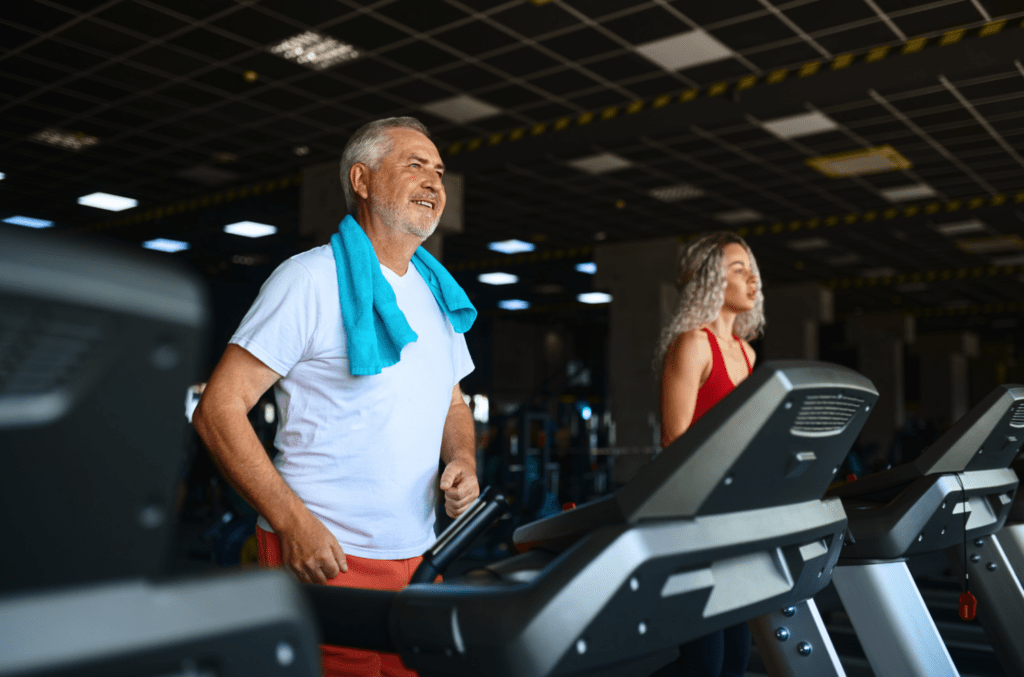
{"x": 701, "y": 284}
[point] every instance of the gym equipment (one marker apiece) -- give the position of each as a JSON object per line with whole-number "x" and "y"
{"x": 96, "y": 346}
{"x": 726, "y": 524}
{"x": 922, "y": 507}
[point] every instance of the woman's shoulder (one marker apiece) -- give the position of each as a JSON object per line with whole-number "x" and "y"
{"x": 690, "y": 343}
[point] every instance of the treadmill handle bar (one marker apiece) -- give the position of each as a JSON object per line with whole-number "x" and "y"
{"x": 456, "y": 539}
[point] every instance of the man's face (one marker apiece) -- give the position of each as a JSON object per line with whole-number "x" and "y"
{"x": 405, "y": 192}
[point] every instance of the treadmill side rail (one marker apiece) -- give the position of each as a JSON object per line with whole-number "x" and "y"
{"x": 888, "y": 614}
{"x": 793, "y": 642}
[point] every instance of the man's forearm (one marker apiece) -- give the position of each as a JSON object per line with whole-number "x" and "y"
{"x": 458, "y": 442}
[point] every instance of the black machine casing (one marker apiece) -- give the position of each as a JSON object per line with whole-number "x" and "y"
{"x": 724, "y": 525}
{"x": 919, "y": 507}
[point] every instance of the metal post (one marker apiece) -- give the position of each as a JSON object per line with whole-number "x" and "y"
{"x": 892, "y": 623}
{"x": 793, "y": 642}
{"x": 1000, "y": 596}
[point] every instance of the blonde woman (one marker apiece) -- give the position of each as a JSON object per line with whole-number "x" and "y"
{"x": 703, "y": 354}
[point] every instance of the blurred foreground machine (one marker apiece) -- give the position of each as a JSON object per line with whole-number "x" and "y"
{"x": 726, "y": 524}
{"x": 97, "y": 346}
{"x": 959, "y": 492}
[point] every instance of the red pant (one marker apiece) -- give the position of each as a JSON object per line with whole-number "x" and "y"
{"x": 379, "y": 574}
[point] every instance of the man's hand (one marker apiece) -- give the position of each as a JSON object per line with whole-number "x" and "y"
{"x": 458, "y": 482}
{"x": 311, "y": 551}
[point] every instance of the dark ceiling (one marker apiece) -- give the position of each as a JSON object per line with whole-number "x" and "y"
{"x": 162, "y": 86}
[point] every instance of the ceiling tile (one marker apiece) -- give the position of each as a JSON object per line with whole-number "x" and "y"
{"x": 685, "y": 50}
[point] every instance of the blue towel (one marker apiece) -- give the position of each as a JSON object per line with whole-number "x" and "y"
{"x": 377, "y": 329}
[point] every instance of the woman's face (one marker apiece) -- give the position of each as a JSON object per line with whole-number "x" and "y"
{"x": 741, "y": 283}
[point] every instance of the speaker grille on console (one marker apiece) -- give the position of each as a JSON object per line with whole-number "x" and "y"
{"x": 1017, "y": 420}
{"x": 822, "y": 415}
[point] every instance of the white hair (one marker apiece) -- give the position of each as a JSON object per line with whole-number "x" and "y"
{"x": 370, "y": 144}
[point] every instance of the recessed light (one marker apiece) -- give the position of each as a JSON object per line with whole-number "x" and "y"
{"x": 804, "y": 124}
{"x": 961, "y": 227}
{"x": 680, "y": 191}
{"x": 684, "y": 50}
{"x": 314, "y": 50}
{"x": 513, "y": 304}
{"x": 461, "y": 109}
{"x": 808, "y": 244}
{"x": 917, "y": 191}
{"x": 250, "y": 229}
{"x": 594, "y": 297}
{"x": 511, "y": 246}
{"x": 2, "y": 176}
{"x": 161, "y": 244}
{"x": 498, "y": 278}
{"x": 301, "y": 150}
{"x": 859, "y": 162}
{"x": 737, "y": 216}
{"x": 589, "y": 267}
{"x": 28, "y": 222}
{"x": 114, "y": 203}
{"x": 600, "y": 163}
{"x": 58, "y": 138}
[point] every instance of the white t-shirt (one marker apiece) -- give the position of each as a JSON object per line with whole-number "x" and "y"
{"x": 360, "y": 451}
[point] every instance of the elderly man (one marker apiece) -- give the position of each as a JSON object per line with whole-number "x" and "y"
{"x": 365, "y": 355}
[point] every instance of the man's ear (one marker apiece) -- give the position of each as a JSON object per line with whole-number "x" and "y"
{"x": 359, "y": 176}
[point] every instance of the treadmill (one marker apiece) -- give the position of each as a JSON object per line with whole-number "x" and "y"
{"x": 960, "y": 490}
{"x": 726, "y": 524}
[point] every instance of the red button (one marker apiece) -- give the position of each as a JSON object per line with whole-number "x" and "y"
{"x": 568, "y": 506}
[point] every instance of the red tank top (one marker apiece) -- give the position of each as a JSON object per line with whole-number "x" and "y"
{"x": 718, "y": 384}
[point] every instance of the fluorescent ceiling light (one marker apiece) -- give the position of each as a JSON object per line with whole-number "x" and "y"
{"x": 990, "y": 245}
{"x": 2, "y": 176}
{"x": 884, "y": 271}
{"x": 594, "y": 297}
{"x": 314, "y": 50}
{"x": 961, "y": 227}
{"x": 808, "y": 244}
{"x": 250, "y": 229}
{"x": 513, "y": 304}
{"x": 58, "y": 138}
{"x": 28, "y": 222}
{"x": 804, "y": 124}
{"x": 917, "y": 191}
{"x": 859, "y": 162}
{"x": 498, "y": 278}
{"x": 461, "y": 109}
{"x": 680, "y": 191}
{"x": 684, "y": 50}
{"x": 164, "y": 245}
{"x": 600, "y": 163}
{"x": 114, "y": 203}
{"x": 737, "y": 216}
{"x": 589, "y": 267}
{"x": 1015, "y": 260}
{"x": 845, "y": 260}
{"x": 511, "y": 246}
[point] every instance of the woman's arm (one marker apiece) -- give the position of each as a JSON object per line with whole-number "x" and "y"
{"x": 687, "y": 366}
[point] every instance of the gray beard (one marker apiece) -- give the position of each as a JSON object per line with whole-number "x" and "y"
{"x": 388, "y": 213}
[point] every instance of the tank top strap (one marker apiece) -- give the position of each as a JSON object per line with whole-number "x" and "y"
{"x": 717, "y": 361}
{"x": 744, "y": 351}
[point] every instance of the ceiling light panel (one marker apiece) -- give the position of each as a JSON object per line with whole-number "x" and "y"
{"x": 808, "y": 244}
{"x": 738, "y": 216}
{"x": 848, "y": 259}
{"x": 997, "y": 244}
{"x": 461, "y": 109}
{"x": 511, "y": 246}
{"x": 884, "y": 271}
{"x": 917, "y": 191}
{"x": 2, "y": 176}
{"x": 594, "y": 297}
{"x": 685, "y": 50}
{"x": 67, "y": 140}
{"x": 676, "y": 193}
{"x": 961, "y": 228}
{"x": 164, "y": 245}
{"x": 513, "y": 304}
{"x": 28, "y": 222}
{"x": 804, "y": 124}
{"x": 600, "y": 163}
{"x": 314, "y": 50}
{"x": 113, "y": 203}
{"x": 589, "y": 267}
{"x": 250, "y": 229}
{"x": 498, "y": 278}
{"x": 860, "y": 162}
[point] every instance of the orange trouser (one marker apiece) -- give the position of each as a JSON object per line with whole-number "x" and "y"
{"x": 379, "y": 574}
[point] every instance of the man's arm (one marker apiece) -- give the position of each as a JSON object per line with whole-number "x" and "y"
{"x": 307, "y": 547}
{"x": 458, "y": 452}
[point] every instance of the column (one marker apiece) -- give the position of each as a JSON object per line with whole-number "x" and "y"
{"x": 793, "y": 314}
{"x": 945, "y": 376}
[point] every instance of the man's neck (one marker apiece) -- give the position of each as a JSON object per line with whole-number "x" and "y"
{"x": 394, "y": 248}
